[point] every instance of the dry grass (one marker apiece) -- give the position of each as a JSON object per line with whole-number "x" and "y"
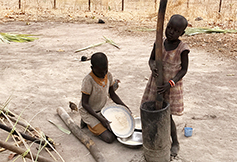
{"x": 137, "y": 15}
{"x": 138, "y": 12}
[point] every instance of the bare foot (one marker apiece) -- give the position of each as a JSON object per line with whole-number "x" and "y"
{"x": 174, "y": 149}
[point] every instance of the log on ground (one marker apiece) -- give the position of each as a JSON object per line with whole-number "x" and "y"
{"x": 84, "y": 139}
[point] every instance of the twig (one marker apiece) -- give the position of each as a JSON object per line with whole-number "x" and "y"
{"x": 22, "y": 152}
{"x": 25, "y": 144}
{"x": 50, "y": 154}
{"x": 28, "y": 123}
{"x": 21, "y": 123}
{"x": 40, "y": 135}
{"x": 25, "y": 136}
{"x": 14, "y": 139}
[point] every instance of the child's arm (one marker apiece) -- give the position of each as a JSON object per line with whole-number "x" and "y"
{"x": 116, "y": 98}
{"x": 184, "y": 66}
{"x": 152, "y": 62}
{"x": 179, "y": 75}
{"x": 85, "y": 104}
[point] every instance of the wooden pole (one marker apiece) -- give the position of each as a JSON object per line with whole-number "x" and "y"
{"x": 154, "y": 117}
{"x": 54, "y": 4}
{"x": 122, "y": 5}
{"x": 85, "y": 140}
{"x": 21, "y": 151}
{"x": 19, "y": 4}
{"x": 89, "y": 3}
{"x": 158, "y": 49}
{"x": 220, "y": 5}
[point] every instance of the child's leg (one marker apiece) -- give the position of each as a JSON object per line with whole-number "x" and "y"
{"x": 107, "y": 136}
{"x": 103, "y": 133}
{"x": 175, "y": 144}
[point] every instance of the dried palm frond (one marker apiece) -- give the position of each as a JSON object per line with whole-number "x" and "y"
{"x": 91, "y": 46}
{"x": 194, "y": 31}
{"x": 8, "y": 37}
{"x": 107, "y": 40}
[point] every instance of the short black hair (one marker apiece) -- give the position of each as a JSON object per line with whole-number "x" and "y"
{"x": 99, "y": 59}
{"x": 180, "y": 18}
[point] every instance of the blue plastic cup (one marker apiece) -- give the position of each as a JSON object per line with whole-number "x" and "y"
{"x": 188, "y": 131}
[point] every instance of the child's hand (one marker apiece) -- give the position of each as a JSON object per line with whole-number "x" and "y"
{"x": 155, "y": 72}
{"x": 129, "y": 110}
{"x": 105, "y": 123}
{"x": 163, "y": 88}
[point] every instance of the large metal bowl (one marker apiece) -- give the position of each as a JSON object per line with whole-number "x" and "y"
{"x": 122, "y": 122}
{"x": 134, "y": 141}
{"x": 138, "y": 123}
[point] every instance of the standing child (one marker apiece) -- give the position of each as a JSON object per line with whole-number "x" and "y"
{"x": 175, "y": 66}
{"x": 96, "y": 87}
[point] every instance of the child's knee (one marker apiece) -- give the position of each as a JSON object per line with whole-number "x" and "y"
{"x": 109, "y": 139}
{"x": 107, "y": 136}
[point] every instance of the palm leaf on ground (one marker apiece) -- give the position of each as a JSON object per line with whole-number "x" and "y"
{"x": 194, "y": 31}
{"x": 8, "y": 37}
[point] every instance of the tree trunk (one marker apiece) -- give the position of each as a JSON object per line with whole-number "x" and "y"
{"x": 84, "y": 139}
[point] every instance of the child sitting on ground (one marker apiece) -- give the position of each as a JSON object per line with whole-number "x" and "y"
{"x": 175, "y": 66}
{"x": 96, "y": 87}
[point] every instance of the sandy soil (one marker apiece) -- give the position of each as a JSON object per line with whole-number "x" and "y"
{"x": 43, "y": 75}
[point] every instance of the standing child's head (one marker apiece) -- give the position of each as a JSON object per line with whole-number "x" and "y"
{"x": 99, "y": 64}
{"x": 176, "y": 27}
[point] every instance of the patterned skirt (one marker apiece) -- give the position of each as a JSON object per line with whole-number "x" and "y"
{"x": 174, "y": 96}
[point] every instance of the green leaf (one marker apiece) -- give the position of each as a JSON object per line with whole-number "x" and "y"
{"x": 91, "y": 46}
{"x": 61, "y": 128}
{"x": 8, "y": 37}
{"x": 111, "y": 42}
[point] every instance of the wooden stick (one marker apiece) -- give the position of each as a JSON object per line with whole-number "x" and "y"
{"x": 20, "y": 136}
{"x": 25, "y": 136}
{"x": 122, "y": 5}
{"x": 220, "y": 5}
{"x": 21, "y": 151}
{"x": 17, "y": 144}
{"x": 83, "y": 138}
{"x": 54, "y": 4}
{"x": 19, "y": 4}
{"x": 158, "y": 49}
{"x": 89, "y": 3}
{"x": 21, "y": 123}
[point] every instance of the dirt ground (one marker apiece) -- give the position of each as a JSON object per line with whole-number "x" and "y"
{"x": 43, "y": 75}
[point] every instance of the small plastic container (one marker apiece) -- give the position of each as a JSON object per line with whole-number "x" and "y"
{"x": 188, "y": 131}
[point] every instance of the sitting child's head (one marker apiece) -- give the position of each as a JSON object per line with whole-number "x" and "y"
{"x": 99, "y": 64}
{"x": 176, "y": 27}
